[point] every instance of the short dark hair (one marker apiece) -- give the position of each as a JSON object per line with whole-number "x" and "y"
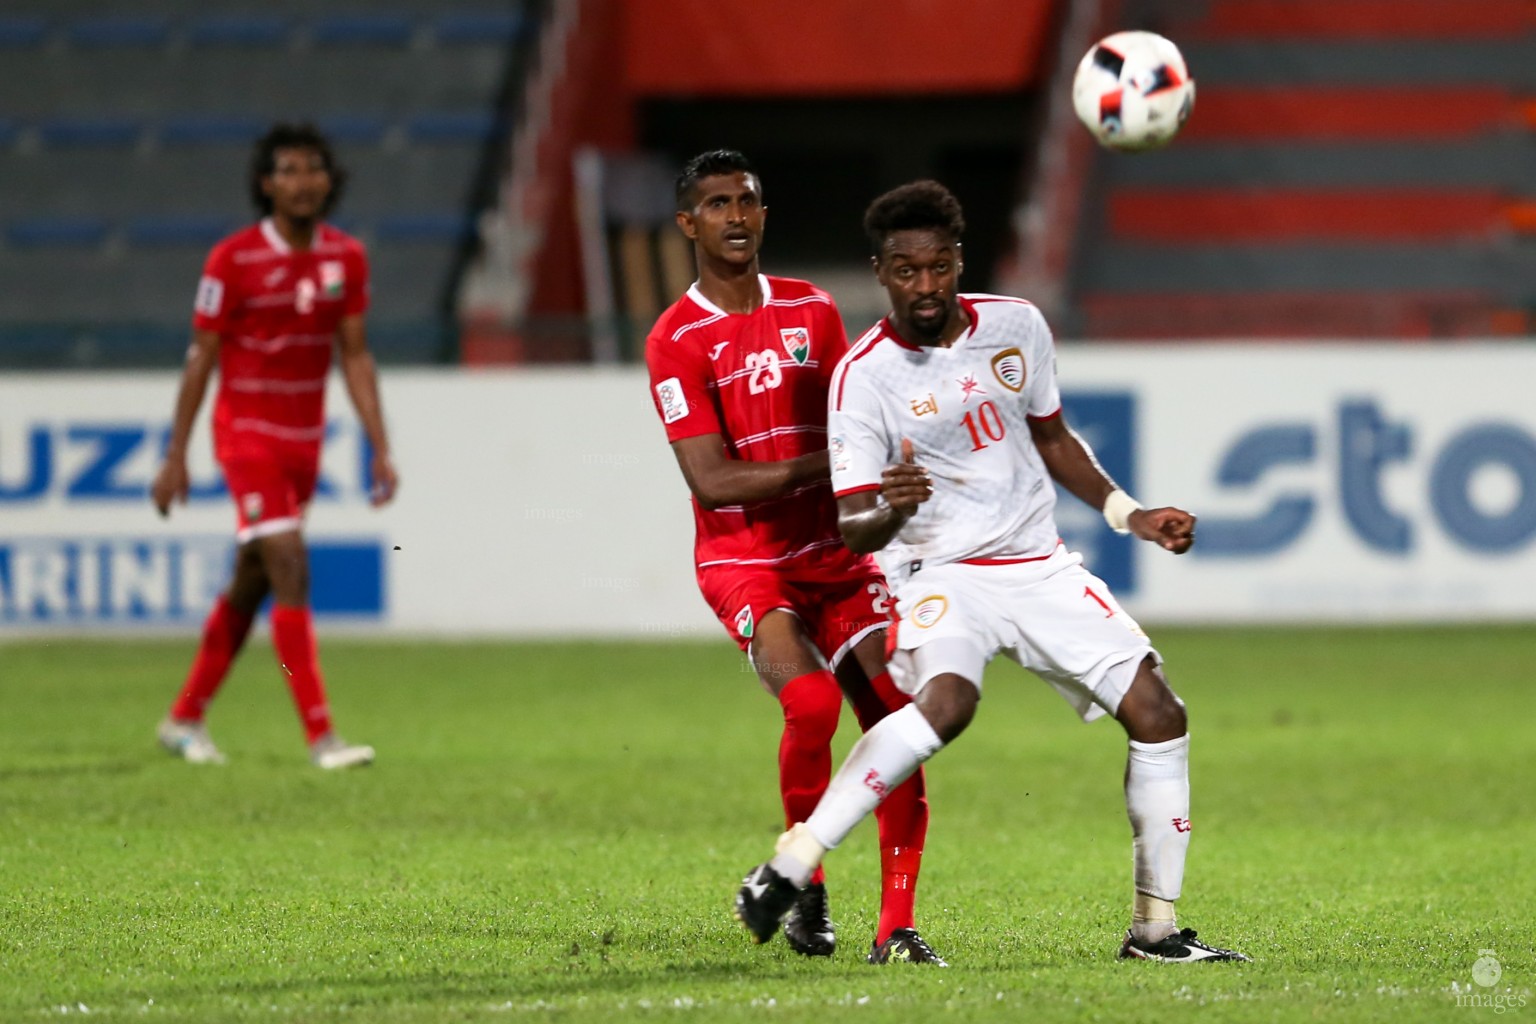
{"x": 917, "y": 205}
{"x": 293, "y": 136}
{"x": 707, "y": 165}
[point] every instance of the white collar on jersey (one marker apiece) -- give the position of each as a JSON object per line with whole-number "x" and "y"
{"x": 274, "y": 237}
{"x": 698, "y": 297}
{"x": 276, "y": 240}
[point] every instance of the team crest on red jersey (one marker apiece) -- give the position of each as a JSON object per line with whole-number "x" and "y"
{"x": 1008, "y": 368}
{"x": 797, "y": 342}
{"x": 252, "y": 503}
{"x": 744, "y": 622}
{"x": 333, "y": 276}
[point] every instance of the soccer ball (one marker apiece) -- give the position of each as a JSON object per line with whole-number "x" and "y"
{"x": 1133, "y": 91}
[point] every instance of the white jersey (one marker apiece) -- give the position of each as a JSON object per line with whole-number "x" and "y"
{"x": 966, "y": 410}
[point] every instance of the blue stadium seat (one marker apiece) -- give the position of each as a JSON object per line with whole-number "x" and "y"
{"x": 457, "y": 126}
{"x": 354, "y": 129}
{"x": 7, "y": 131}
{"x": 240, "y": 30}
{"x": 21, "y": 32}
{"x": 458, "y": 27}
{"x": 211, "y": 130}
{"x": 424, "y": 227}
{"x": 89, "y": 131}
{"x": 50, "y": 231}
{"x": 120, "y": 30}
{"x": 362, "y": 29}
{"x": 201, "y": 231}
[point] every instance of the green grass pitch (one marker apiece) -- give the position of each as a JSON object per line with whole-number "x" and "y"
{"x": 554, "y": 831}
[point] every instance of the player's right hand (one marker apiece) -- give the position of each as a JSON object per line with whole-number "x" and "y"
{"x": 171, "y": 484}
{"x": 906, "y": 485}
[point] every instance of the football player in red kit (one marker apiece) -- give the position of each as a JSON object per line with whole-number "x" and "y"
{"x": 274, "y": 301}
{"x": 739, "y": 369}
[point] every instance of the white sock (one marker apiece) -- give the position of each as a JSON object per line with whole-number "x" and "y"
{"x": 883, "y": 759}
{"x": 1157, "y": 802}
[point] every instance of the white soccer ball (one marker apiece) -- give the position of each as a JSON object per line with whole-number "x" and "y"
{"x": 1133, "y": 91}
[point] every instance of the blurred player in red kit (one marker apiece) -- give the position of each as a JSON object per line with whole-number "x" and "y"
{"x": 273, "y": 302}
{"x": 739, "y": 370}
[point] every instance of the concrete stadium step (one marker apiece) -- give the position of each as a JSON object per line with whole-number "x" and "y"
{"x": 1358, "y": 113}
{"x": 1263, "y": 215}
{"x": 1310, "y": 63}
{"x": 1286, "y": 316}
{"x": 1361, "y": 19}
{"x": 1310, "y": 267}
{"x": 1504, "y": 160}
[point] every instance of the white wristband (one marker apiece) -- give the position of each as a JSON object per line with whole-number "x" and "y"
{"x": 1117, "y": 510}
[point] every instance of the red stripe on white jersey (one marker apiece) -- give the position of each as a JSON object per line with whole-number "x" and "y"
{"x": 860, "y": 349}
{"x": 855, "y": 490}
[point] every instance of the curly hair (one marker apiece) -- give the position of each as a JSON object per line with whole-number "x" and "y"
{"x": 293, "y": 136}
{"x": 707, "y": 165}
{"x": 918, "y": 205}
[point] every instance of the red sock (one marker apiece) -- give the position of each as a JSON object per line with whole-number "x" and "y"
{"x": 811, "y": 705}
{"x": 903, "y": 821}
{"x": 224, "y": 633}
{"x": 293, "y": 635}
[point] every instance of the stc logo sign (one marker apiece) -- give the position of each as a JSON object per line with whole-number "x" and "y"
{"x": 1370, "y": 446}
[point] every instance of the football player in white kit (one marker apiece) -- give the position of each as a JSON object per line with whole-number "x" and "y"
{"x": 945, "y": 434}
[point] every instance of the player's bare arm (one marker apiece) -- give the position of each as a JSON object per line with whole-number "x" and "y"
{"x": 1072, "y": 465}
{"x": 357, "y": 369}
{"x": 868, "y": 520}
{"x": 172, "y": 482}
{"x": 717, "y": 480}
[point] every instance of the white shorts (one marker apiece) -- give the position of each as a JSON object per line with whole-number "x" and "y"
{"x": 1052, "y": 616}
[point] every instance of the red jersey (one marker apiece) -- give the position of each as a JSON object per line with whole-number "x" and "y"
{"x": 759, "y": 380}
{"x": 277, "y": 311}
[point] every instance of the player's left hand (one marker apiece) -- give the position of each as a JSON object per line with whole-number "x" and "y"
{"x": 385, "y": 480}
{"x": 1171, "y": 529}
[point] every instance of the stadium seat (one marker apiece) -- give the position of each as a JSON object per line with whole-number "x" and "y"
{"x": 354, "y": 129}
{"x": 7, "y": 131}
{"x": 1216, "y": 215}
{"x": 89, "y": 131}
{"x": 22, "y": 32}
{"x": 56, "y": 231}
{"x": 240, "y": 30}
{"x": 120, "y": 30}
{"x": 425, "y": 227}
{"x": 211, "y": 129}
{"x": 362, "y": 29}
{"x": 457, "y": 27}
{"x": 462, "y": 126}
{"x": 198, "y": 231}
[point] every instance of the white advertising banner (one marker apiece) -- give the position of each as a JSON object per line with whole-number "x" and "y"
{"x": 1333, "y": 483}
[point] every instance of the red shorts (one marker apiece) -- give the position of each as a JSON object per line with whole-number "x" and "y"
{"x": 838, "y": 609}
{"x": 270, "y": 494}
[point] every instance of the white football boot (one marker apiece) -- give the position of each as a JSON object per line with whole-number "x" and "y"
{"x": 189, "y": 741}
{"x": 331, "y": 752}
